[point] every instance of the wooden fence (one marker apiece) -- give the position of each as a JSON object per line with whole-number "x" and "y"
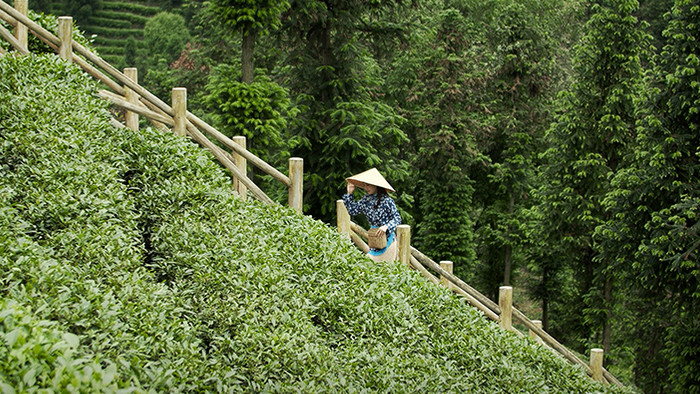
{"x": 126, "y": 93}
{"x": 136, "y": 100}
{"x": 503, "y": 312}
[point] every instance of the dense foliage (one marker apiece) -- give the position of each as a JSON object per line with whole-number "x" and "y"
{"x": 127, "y": 263}
{"x": 542, "y": 144}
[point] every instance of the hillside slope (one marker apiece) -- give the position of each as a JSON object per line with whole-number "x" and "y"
{"x": 125, "y": 262}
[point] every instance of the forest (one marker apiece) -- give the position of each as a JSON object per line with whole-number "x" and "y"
{"x": 551, "y": 145}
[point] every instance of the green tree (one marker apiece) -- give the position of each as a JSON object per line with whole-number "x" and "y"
{"x": 165, "y": 36}
{"x": 591, "y": 134}
{"x": 343, "y": 126}
{"x": 258, "y": 110}
{"x": 250, "y": 18}
{"x": 653, "y": 12}
{"x": 653, "y": 234}
{"x": 524, "y": 75}
{"x": 438, "y": 86}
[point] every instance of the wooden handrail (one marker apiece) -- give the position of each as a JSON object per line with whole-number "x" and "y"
{"x": 7, "y": 18}
{"x": 229, "y": 164}
{"x": 13, "y": 41}
{"x": 258, "y": 162}
{"x": 141, "y": 110}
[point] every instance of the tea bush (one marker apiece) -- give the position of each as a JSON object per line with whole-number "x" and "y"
{"x": 127, "y": 264}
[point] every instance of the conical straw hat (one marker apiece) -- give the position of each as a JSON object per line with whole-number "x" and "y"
{"x": 372, "y": 177}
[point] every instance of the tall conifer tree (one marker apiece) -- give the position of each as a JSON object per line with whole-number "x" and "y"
{"x": 653, "y": 235}
{"x": 524, "y": 74}
{"x": 343, "y": 127}
{"x": 588, "y": 141}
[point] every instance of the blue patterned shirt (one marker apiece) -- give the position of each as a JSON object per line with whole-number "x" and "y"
{"x": 385, "y": 214}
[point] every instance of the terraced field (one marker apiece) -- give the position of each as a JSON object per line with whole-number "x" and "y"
{"x": 111, "y": 24}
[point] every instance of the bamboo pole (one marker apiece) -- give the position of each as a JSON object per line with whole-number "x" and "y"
{"x": 359, "y": 242}
{"x": 65, "y": 37}
{"x": 7, "y": 35}
{"x": 115, "y": 123}
{"x": 53, "y": 42}
{"x": 449, "y": 267}
{"x": 358, "y": 229}
{"x": 549, "y": 340}
{"x": 19, "y": 18}
{"x": 403, "y": 232}
{"x": 296, "y": 187}
{"x": 22, "y": 7}
{"x": 242, "y": 165}
{"x": 7, "y": 18}
{"x": 482, "y": 299}
{"x": 224, "y": 159}
{"x": 158, "y": 125}
{"x": 180, "y": 111}
{"x": 254, "y": 160}
{"x": 132, "y": 118}
{"x": 533, "y": 335}
{"x": 121, "y": 102}
{"x": 342, "y": 218}
{"x": 596, "y": 363}
{"x": 505, "y": 302}
{"x": 611, "y": 378}
{"x": 420, "y": 268}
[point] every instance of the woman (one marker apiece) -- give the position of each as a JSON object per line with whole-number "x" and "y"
{"x": 378, "y": 207}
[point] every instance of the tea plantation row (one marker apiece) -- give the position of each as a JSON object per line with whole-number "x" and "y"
{"x": 127, "y": 264}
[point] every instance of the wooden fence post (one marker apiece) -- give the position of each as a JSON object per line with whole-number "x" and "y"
{"x": 533, "y": 335}
{"x": 403, "y": 232}
{"x": 179, "y": 103}
{"x": 65, "y": 38}
{"x": 597, "y": 364}
{"x": 449, "y": 267}
{"x": 132, "y": 118}
{"x": 21, "y": 30}
{"x": 296, "y": 189}
{"x": 343, "y": 218}
{"x": 242, "y": 164}
{"x": 505, "y": 302}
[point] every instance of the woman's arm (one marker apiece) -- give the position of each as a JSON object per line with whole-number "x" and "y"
{"x": 393, "y": 214}
{"x": 353, "y": 207}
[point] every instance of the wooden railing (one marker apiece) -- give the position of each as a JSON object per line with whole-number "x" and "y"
{"x": 126, "y": 93}
{"x": 502, "y": 313}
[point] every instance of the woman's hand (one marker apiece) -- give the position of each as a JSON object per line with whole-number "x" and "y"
{"x": 350, "y": 188}
{"x": 383, "y": 228}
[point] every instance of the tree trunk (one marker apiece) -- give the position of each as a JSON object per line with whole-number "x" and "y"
{"x": 247, "y": 49}
{"x": 607, "y": 295}
{"x": 506, "y": 274}
{"x": 545, "y": 301}
{"x": 508, "y": 257}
